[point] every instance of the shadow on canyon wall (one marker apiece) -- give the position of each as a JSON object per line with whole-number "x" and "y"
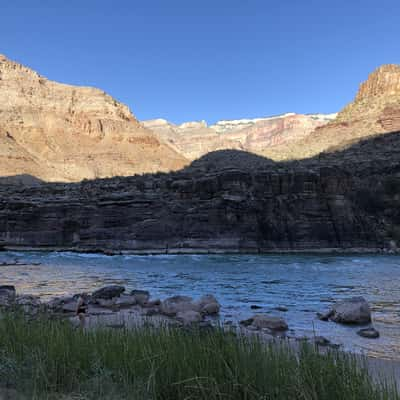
{"x": 373, "y": 149}
{"x": 22, "y": 179}
{"x": 226, "y": 201}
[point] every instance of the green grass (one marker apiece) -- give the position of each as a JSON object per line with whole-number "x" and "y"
{"x": 48, "y": 359}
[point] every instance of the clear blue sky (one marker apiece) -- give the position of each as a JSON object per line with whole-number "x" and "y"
{"x": 207, "y": 59}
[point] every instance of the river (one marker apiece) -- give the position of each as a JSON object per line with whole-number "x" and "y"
{"x": 304, "y": 284}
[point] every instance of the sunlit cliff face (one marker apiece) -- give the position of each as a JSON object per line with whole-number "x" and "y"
{"x": 62, "y": 132}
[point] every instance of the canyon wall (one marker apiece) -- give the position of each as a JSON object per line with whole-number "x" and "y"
{"x": 59, "y": 132}
{"x": 194, "y": 139}
{"x": 227, "y": 201}
{"x": 324, "y": 184}
{"x": 374, "y": 111}
{"x": 62, "y": 132}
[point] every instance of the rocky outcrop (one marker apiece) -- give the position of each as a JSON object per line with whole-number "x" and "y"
{"x": 225, "y": 201}
{"x": 60, "y": 132}
{"x": 376, "y": 108}
{"x": 381, "y": 89}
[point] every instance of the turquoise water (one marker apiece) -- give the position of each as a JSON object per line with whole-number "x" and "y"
{"x": 305, "y": 284}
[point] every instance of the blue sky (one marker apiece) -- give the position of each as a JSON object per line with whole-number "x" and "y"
{"x": 207, "y": 59}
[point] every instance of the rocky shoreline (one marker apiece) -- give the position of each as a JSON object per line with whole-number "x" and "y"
{"x": 200, "y": 251}
{"x": 114, "y": 307}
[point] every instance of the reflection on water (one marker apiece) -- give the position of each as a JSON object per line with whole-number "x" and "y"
{"x": 304, "y": 284}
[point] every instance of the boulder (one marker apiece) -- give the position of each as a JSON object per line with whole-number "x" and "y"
{"x": 321, "y": 341}
{"x": 369, "y": 333}
{"x": 125, "y": 301}
{"x": 7, "y": 295}
{"x": 153, "y": 303}
{"x": 175, "y": 304}
{"x": 96, "y": 310}
{"x": 7, "y": 289}
{"x": 63, "y": 304}
{"x": 354, "y": 310}
{"x": 189, "y": 317}
{"x": 28, "y": 300}
{"x": 325, "y": 316}
{"x": 28, "y": 303}
{"x": 208, "y": 305}
{"x": 107, "y": 303}
{"x": 246, "y": 322}
{"x": 108, "y": 292}
{"x": 261, "y": 321}
{"x": 142, "y": 296}
{"x": 149, "y": 312}
{"x": 252, "y": 328}
{"x": 211, "y": 309}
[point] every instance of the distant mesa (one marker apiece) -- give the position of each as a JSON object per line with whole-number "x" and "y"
{"x": 59, "y": 132}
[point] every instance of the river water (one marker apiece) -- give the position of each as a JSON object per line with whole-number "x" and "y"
{"x": 304, "y": 284}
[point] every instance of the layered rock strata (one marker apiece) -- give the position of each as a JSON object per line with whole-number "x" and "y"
{"x": 60, "y": 132}
{"x": 194, "y": 139}
{"x": 227, "y": 201}
{"x": 374, "y": 111}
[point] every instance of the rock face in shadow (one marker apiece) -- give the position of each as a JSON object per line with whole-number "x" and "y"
{"x": 225, "y": 201}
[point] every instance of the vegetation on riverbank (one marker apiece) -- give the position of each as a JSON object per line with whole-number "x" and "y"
{"x": 48, "y": 359}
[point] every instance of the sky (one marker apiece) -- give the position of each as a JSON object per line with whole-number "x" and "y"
{"x": 186, "y": 60}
